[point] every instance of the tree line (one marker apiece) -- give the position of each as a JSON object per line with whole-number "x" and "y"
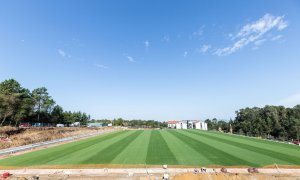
{"x": 276, "y": 122}
{"x": 18, "y": 104}
{"x": 134, "y": 123}
{"x": 215, "y": 124}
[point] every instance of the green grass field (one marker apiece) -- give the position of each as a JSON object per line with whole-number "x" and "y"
{"x": 156, "y": 147}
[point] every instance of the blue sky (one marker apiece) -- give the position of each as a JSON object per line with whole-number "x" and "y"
{"x": 155, "y": 59}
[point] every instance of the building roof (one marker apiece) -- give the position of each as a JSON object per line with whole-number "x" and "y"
{"x": 192, "y": 121}
{"x": 172, "y": 122}
{"x": 184, "y": 121}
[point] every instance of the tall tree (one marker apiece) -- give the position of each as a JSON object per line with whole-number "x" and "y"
{"x": 57, "y": 114}
{"x": 13, "y": 98}
{"x": 270, "y": 121}
{"x": 43, "y": 102}
{"x": 24, "y": 108}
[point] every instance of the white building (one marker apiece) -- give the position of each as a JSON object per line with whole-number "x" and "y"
{"x": 181, "y": 125}
{"x": 172, "y": 124}
{"x": 187, "y": 124}
{"x": 60, "y": 125}
{"x": 201, "y": 125}
{"x": 178, "y": 125}
{"x": 75, "y": 124}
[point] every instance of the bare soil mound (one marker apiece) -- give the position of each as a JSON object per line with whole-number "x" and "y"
{"x": 12, "y": 137}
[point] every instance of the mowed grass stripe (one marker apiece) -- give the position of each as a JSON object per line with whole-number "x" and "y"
{"x": 253, "y": 158}
{"x": 46, "y": 155}
{"x": 257, "y": 141}
{"x": 240, "y": 152}
{"x": 79, "y": 157}
{"x": 136, "y": 151}
{"x": 274, "y": 146}
{"x": 215, "y": 155}
{"x": 108, "y": 154}
{"x": 159, "y": 151}
{"x": 184, "y": 154}
{"x": 267, "y": 152}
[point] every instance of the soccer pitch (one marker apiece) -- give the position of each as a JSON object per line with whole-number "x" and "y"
{"x": 157, "y": 147}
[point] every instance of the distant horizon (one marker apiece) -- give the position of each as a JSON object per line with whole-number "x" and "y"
{"x": 201, "y": 119}
{"x": 154, "y": 60}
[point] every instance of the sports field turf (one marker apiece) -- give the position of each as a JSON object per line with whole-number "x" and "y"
{"x": 157, "y": 147}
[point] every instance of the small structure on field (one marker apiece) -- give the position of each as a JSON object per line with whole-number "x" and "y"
{"x": 252, "y": 170}
{"x": 75, "y": 124}
{"x": 96, "y": 125}
{"x": 223, "y": 170}
{"x": 60, "y": 125}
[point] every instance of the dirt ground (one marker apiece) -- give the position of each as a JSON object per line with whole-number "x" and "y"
{"x": 12, "y": 137}
{"x": 153, "y": 174}
{"x": 188, "y": 176}
{"x": 143, "y": 166}
{"x": 222, "y": 176}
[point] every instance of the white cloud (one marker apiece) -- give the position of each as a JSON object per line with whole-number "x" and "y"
{"x": 63, "y": 53}
{"x": 276, "y": 37}
{"x": 130, "y": 59}
{"x": 291, "y": 100}
{"x": 205, "y": 48}
{"x": 259, "y": 42}
{"x": 147, "y": 44}
{"x": 185, "y": 53}
{"x": 101, "y": 66}
{"x": 264, "y": 24}
{"x": 253, "y": 32}
{"x": 282, "y": 24}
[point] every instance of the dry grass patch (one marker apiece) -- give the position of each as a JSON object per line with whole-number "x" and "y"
{"x": 13, "y": 137}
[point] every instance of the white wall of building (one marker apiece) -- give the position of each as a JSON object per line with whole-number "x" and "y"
{"x": 201, "y": 125}
{"x": 184, "y": 125}
{"x": 172, "y": 126}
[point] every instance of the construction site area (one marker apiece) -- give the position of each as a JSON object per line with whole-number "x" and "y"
{"x": 155, "y": 173}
